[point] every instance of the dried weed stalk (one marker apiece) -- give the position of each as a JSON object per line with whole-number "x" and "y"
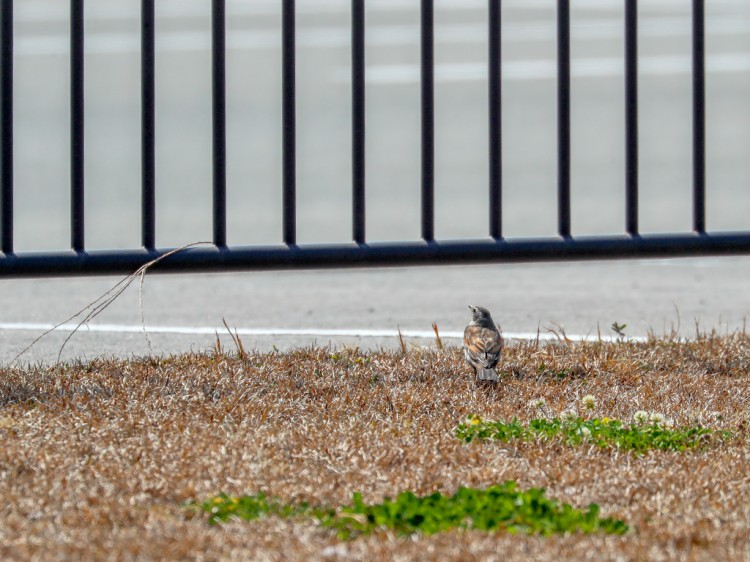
{"x": 438, "y": 340}
{"x": 95, "y": 308}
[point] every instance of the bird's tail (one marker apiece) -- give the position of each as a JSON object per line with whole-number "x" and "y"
{"x": 487, "y": 374}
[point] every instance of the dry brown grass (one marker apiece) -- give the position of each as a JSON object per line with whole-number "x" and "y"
{"x": 97, "y": 458}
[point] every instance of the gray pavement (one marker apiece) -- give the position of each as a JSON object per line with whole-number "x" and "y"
{"x": 576, "y": 296}
{"x": 583, "y": 299}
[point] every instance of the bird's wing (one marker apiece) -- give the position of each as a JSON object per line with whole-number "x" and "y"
{"x": 482, "y": 346}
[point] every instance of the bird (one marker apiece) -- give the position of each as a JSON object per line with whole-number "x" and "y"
{"x": 483, "y": 344}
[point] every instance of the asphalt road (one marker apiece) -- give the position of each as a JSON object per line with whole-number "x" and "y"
{"x": 365, "y": 308}
{"x": 577, "y": 296}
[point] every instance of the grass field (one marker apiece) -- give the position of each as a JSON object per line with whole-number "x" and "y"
{"x": 99, "y": 460}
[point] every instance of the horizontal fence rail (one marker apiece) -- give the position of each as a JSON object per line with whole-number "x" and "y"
{"x": 360, "y": 253}
{"x": 376, "y": 254}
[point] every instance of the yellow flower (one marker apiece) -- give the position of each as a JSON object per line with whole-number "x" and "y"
{"x": 605, "y": 420}
{"x": 475, "y": 421}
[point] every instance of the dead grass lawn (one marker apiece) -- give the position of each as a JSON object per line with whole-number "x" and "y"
{"x": 97, "y": 459}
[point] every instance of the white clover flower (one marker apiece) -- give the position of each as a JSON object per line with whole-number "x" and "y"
{"x": 668, "y": 423}
{"x": 569, "y": 415}
{"x": 538, "y": 403}
{"x": 585, "y": 432}
{"x": 589, "y": 401}
{"x": 640, "y": 416}
{"x": 656, "y": 417}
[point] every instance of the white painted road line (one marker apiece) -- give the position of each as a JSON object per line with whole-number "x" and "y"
{"x": 547, "y": 69}
{"x": 199, "y": 40}
{"x": 311, "y": 332}
{"x": 55, "y": 10}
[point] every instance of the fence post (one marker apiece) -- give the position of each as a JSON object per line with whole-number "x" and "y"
{"x": 77, "y": 221}
{"x": 6, "y": 125}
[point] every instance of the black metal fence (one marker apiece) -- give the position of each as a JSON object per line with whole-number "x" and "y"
{"x": 428, "y": 250}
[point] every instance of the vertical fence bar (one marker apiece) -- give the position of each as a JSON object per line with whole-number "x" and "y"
{"x": 76, "y": 127}
{"x": 563, "y": 117}
{"x": 495, "y": 117}
{"x": 631, "y": 117}
{"x": 699, "y": 118}
{"x": 148, "y": 146}
{"x": 358, "y": 121}
{"x": 289, "y": 118}
{"x": 428, "y": 120}
{"x": 6, "y": 132}
{"x": 218, "y": 53}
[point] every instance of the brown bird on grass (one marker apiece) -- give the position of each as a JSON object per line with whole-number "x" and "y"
{"x": 483, "y": 344}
